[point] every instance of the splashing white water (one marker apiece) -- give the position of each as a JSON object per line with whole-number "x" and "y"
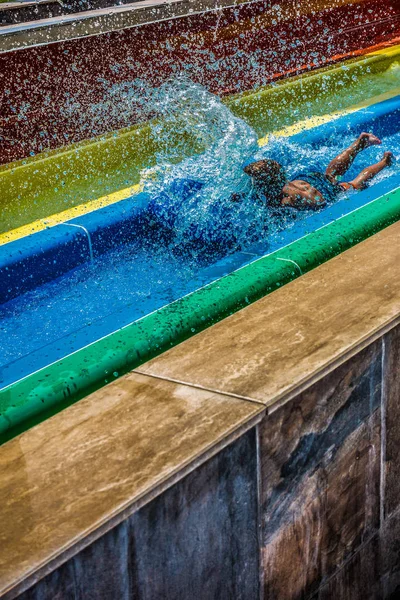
{"x": 224, "y": 144}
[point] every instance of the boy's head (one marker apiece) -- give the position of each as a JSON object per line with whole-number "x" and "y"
{"x": 270, "y": 176}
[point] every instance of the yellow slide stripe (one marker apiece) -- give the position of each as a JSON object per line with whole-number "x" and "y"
{"x": 66, "y": 215}
{"x": 312, "y": 122}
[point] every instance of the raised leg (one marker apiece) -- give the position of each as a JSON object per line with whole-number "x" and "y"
{"x": 339, "y": 165}
{"x": 367, "y": 174}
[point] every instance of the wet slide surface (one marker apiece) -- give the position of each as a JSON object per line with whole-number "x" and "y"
{"x": 121, "y": 286}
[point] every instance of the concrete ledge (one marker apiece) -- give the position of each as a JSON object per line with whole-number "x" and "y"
{"x": 88, "y": 468}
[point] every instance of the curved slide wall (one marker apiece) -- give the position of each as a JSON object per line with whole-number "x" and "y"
{"x": 56, "y": 186}
{"x": 47, "y": 91}
{"x": 31, "y": 396}
{"x": 30, "y": 261}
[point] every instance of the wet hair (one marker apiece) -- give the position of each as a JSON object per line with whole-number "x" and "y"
{"x": 270, "y": 177}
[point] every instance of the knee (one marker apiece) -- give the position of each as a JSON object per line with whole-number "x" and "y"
{"x": 330, "y": 172}
{"x": 358, "y": 185}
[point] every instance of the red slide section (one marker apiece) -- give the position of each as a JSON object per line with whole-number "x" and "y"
{"x": 47, "y": 92}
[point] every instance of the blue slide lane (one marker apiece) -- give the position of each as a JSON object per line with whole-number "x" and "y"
{"x": 43, "y": 256}
{"x": 38, "y": 258}
{"x": 119, "y": 314}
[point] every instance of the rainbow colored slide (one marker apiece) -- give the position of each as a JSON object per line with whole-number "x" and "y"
{"x": 59, "y": 258}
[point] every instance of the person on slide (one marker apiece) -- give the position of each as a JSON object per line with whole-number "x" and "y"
{"x": 313, "y": 190}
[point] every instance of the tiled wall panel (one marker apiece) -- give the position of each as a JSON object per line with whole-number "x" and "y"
{"x": 392, "y": 412}
{"x": 389, "y": 557}
{"x": 329, "y": 465}
{"x": 358, "y": 579}
{"x": 320, "y": 457}
{"x": 331, "y": 491}
{"x": 373, "y": 573}
{"x": 197, "y": 540}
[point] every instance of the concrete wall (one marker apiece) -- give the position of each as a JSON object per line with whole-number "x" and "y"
{"x": 304, "y": 505}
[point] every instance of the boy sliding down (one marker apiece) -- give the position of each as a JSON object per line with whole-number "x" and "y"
{"x": 313, "y": 190}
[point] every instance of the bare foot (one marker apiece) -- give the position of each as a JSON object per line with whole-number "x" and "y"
{"x": 388, "y": 158}
{"x": 369, "y": 139}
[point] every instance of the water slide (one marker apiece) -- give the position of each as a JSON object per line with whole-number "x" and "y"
{"x": 79, "y": 307}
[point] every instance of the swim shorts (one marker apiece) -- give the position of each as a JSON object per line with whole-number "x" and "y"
{"x": 328, "y": 189}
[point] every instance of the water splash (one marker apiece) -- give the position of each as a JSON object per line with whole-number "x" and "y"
{"x": 193, "y": 126}
{"x": 222, "y": 143}
{"x": 198, "y": 138}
